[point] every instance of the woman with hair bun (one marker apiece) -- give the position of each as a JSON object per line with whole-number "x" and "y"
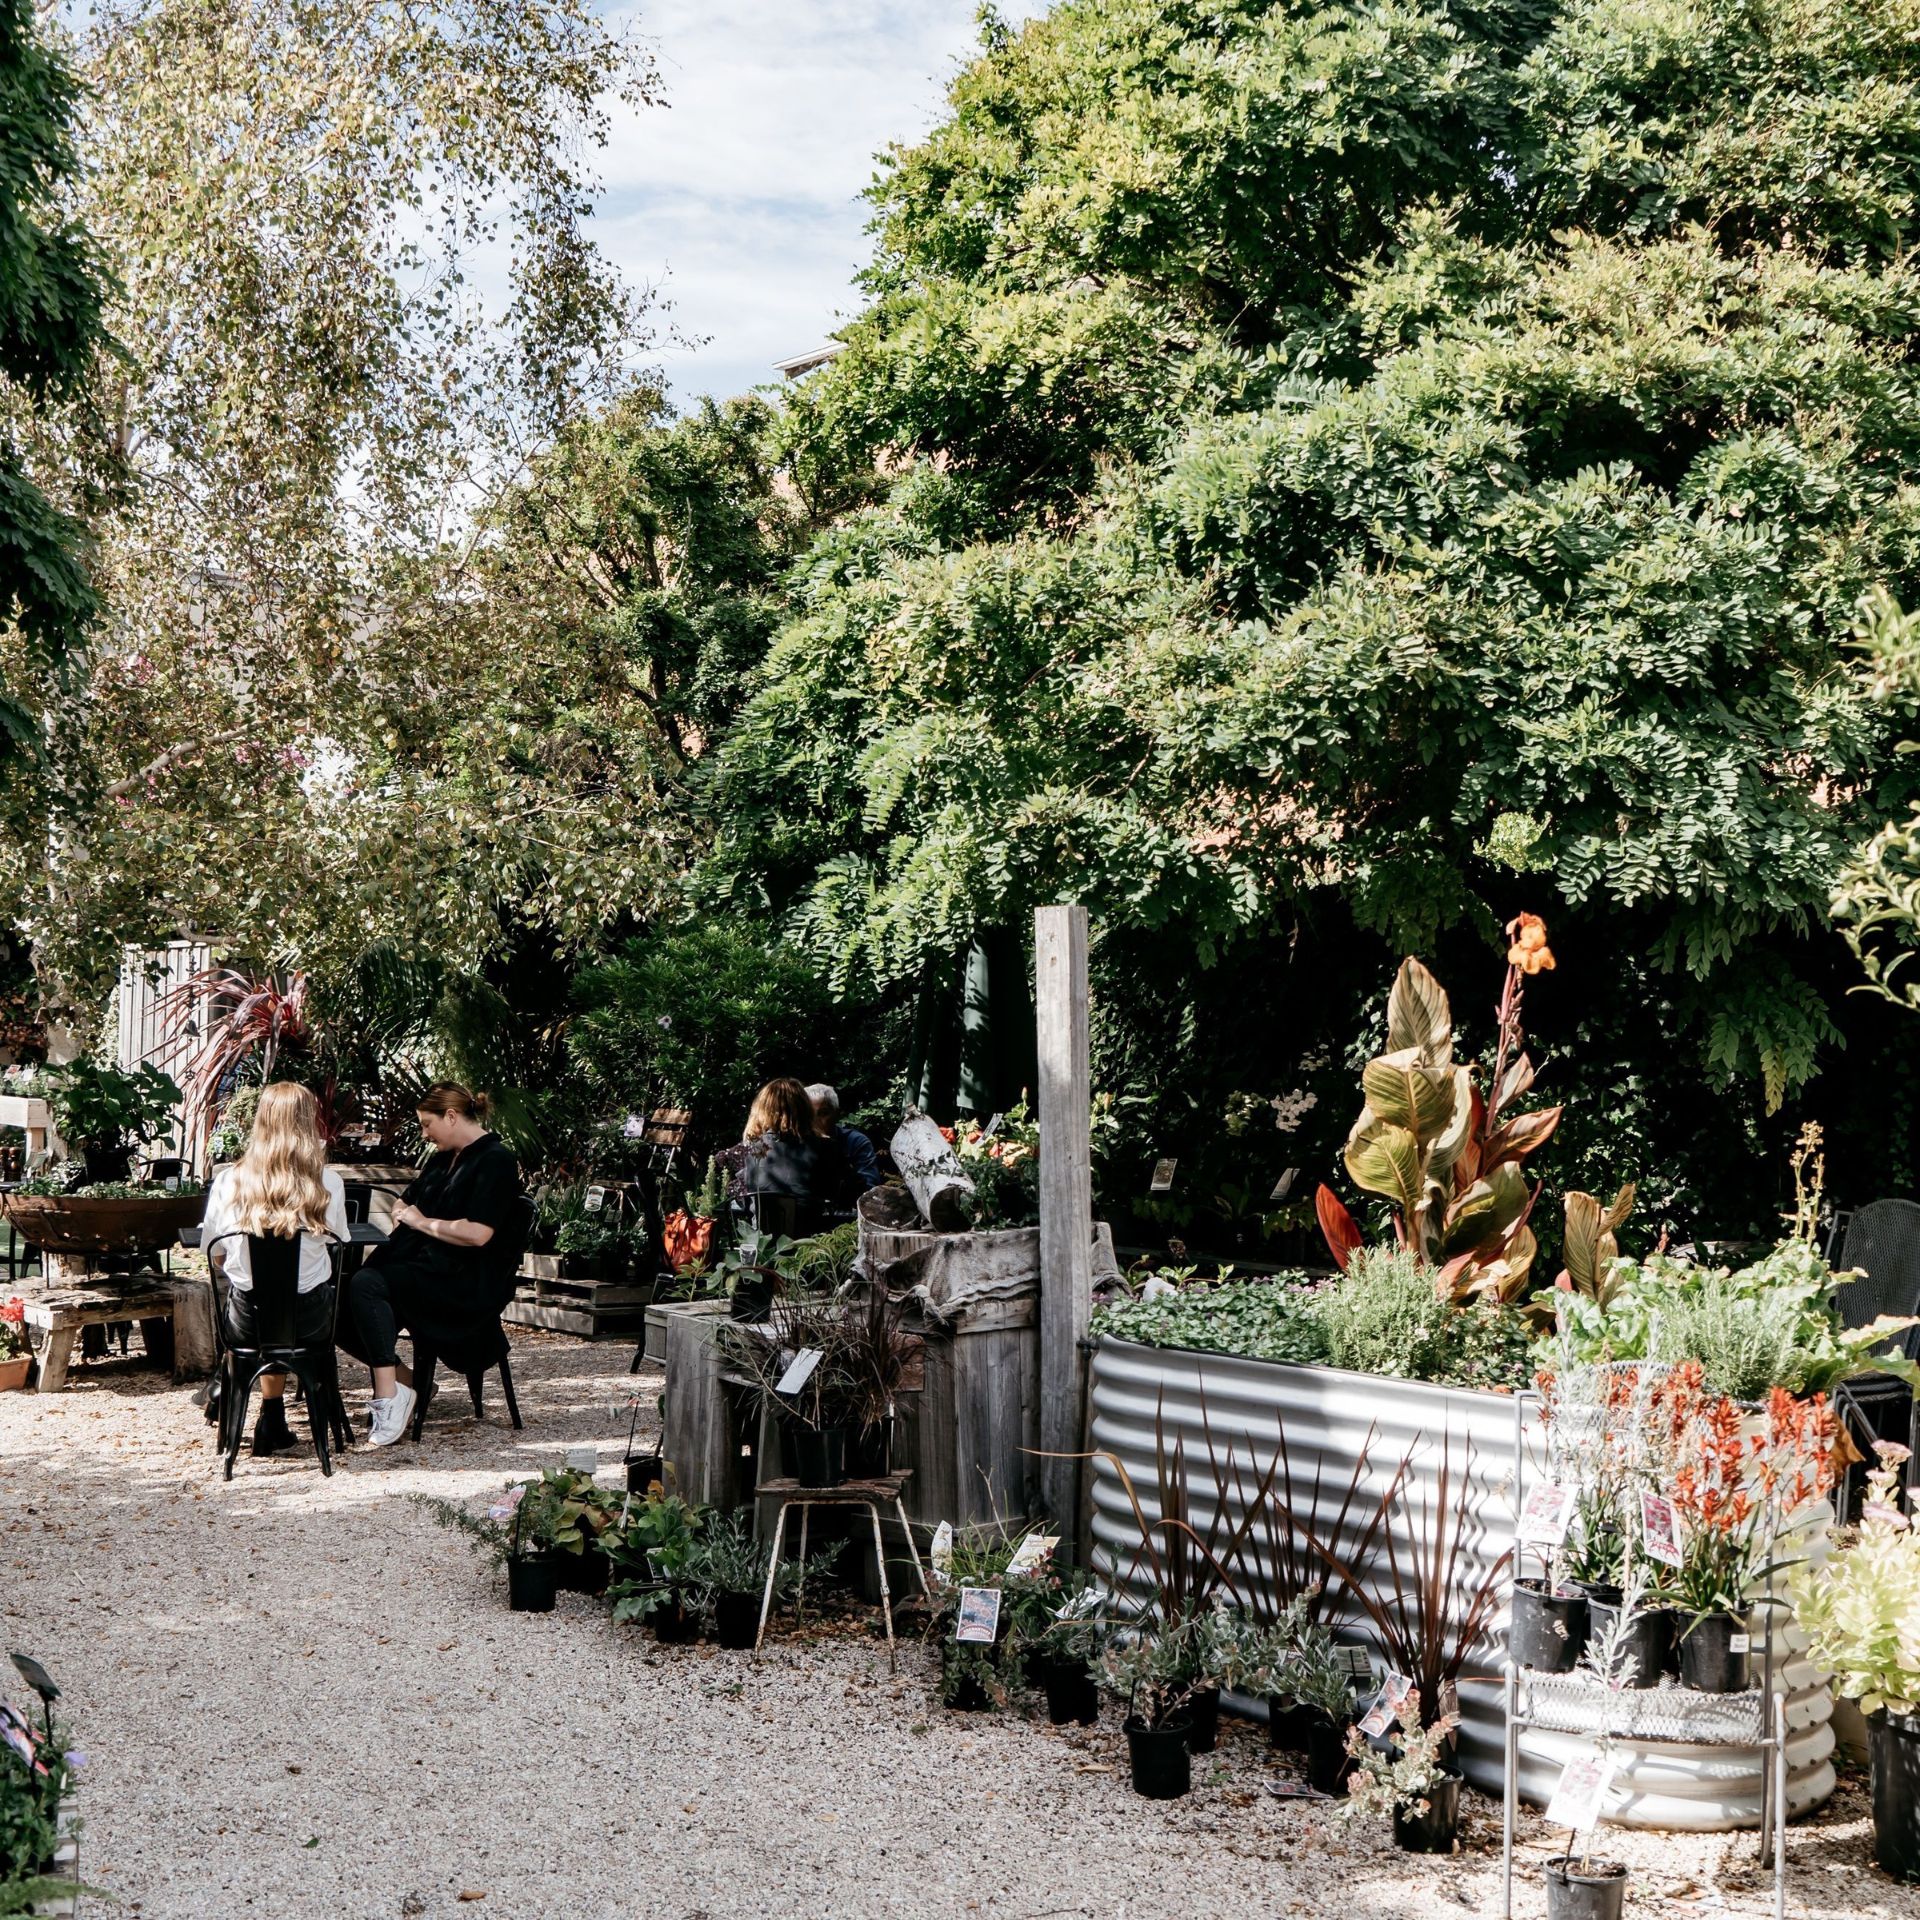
{"x": 455, "y": 1241}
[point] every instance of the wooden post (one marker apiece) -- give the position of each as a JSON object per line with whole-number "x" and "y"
{"x": 1066, "y": 1208}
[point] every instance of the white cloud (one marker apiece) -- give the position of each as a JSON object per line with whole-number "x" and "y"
{"x": 740, "y": 196}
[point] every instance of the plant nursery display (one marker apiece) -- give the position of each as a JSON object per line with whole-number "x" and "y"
{"x": 104, "y": 1113}
{"x": 37, "y": 1769}
{"x": 723, "y": 1575}
{"x": 15, "y": 1359}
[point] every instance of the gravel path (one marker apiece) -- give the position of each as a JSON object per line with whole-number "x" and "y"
{"x": 300, "y": 1696}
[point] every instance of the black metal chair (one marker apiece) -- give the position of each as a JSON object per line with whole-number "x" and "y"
{"x": 274, "y": 1268}
{"x": 1882, "y": 1239}
{"x": 490, "y": 1349}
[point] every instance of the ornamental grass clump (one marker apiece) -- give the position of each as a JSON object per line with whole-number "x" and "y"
{"x": 1861, "y": 1610}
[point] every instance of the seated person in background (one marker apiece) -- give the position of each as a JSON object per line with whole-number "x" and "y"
{"x": 282, "y": 1186}
{"x": 863, "y": 1164}
{"x": 784, "y": 1156}
{"x": 442, "y": 1273}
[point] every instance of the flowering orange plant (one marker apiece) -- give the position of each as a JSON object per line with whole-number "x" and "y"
{"x": 13, "y": 1329}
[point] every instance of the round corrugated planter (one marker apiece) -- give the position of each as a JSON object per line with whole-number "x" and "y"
{"x": 57, "y": 1223}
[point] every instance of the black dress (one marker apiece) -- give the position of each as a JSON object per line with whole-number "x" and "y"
{"x": 443, "y": 1293}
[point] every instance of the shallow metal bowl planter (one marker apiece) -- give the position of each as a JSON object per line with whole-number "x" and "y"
{"x": 1329, "y": 1418}
{"x": 59, "y": 1223}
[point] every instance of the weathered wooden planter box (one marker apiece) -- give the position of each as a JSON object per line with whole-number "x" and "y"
{"x": 1327, "y": 1417}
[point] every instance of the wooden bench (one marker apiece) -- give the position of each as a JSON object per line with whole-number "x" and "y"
{"x": 54, "y": 1317}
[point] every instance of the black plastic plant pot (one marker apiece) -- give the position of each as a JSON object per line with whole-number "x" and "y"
{"x": 531, "y": 1584}
{"x": 1549, "y": 1630}
{"x": 736, "y": 1620}
{"x": 870, "y": 1451}
{"x": 1597, "y": 1891}
{"x": 814, "y": 1456}
{"x": 1708, "y": 1660}
{"x": 583, "y": 1572}
{"x": 1161, "y": 1758}
{"x": 1289, "y": 1726}
{"x": 1203, "y": 1714}
{"x": 1649, "y": 1640}
{"x": 1432, "y": 1831}
{"x": 969, "y": 1695}
{"x": 1893, "y": 1753}
{"x": 675, "y": 1622}
{"x": 1328, "y": 1761}
{"x": 1072, "y": 1696}
{"x": 643, "y": 1469}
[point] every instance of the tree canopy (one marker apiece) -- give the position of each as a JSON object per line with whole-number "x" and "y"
{"x": 1409, "y": 458}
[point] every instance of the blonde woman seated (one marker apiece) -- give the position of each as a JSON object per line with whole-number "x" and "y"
{"x": 281, "y": 1186}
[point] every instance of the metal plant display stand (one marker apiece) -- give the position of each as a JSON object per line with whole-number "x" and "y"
{"x": 1577, "y": 1703}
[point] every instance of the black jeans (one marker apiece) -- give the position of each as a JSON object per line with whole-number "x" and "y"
{"x": 377, "y": 1308}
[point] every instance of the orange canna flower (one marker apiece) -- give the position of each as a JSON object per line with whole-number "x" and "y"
{"x": 1529, "y": 950}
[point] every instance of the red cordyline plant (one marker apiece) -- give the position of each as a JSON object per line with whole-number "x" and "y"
{"x": 257, "y": 1016}
{"x": 1448, "y": 1158}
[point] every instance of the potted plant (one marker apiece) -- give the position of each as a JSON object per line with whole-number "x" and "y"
{"x": 1152, "y": 1667}
{"x": 644, "y": 1470}
{"x": 516, "y": 1531}
{"x": 726, "y": 1568}
{"x": 585, "y": 1242}
{"x": 582, "y": 1513}
{"x": 1857, "y": 1612}
{"x": 1579, "y": 1887}
{"x": 1063, "y": 1647}
{"x": 651, "y": 1548}
{"x": 1322, "y": 1684}
{"x": 977, "y": 1675}
{"x": 1727, "y": 1482}
{"x": 104, "y": 1113}
{"x": 1413, "y": 1783}
{"x": 36, "y": 1831}
{"x": 16, "y": 1361}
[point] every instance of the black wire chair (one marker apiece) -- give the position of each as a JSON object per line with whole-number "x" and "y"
{"x": 273, "y": 1263}
{"x": 1882, "y": 1240}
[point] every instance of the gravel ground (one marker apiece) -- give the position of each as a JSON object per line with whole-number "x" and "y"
{"x": 299, "y": 1695}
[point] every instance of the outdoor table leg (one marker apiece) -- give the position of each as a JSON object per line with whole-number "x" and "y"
{"x": 880, "y": 1565}
{"x": 773, "y": 1567}
{"x": 53, "y": 1357}
{"x": 800, "y": 1592}
{"x": 920, "y": 1572}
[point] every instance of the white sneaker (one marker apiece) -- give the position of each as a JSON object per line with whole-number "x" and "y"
{"x": 390, "y": 1417}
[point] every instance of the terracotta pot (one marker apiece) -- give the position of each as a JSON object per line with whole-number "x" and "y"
{"x": 13, "y": 1373}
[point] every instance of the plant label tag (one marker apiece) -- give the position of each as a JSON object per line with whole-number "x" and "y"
{"x": 1162, "y": 1181}
{"x": 595, "y": 1199}
{"x": 1386, "y": 1706}
{"x": 1032, "y": 1551}
{"x": 1739, "y": 1643}
{"x": 1660, "y": 1529}
{"x": 979, "y": 1619}
{"x": 1581, "y": 1794}
{"x": 994, "y": 1125}
{"x": 800, "y": 1371}
{"x": 1356, "y": 1662}
{"x": 583, "y": 1460}
{"x": 1545, "y": 1518}
{"x": 940, "y": 1551}
{"x": 1283, "y": 1186}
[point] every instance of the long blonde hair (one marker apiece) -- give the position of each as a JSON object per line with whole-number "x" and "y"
{"x": 276, "y": 1184}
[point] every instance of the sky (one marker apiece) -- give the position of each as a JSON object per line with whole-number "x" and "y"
{"x": 739, "y": 198}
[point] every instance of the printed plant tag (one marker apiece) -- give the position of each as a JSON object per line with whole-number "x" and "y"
{"x": 940, "y": 1552}
{"x": 1545, "y": 1518}
{"x": 595, "y": 1199}
{"x": 1032, "y": 1551}
{"x": 1162, "y": 1181}
{"x": 1660, "y": 1529}
{"x": 1283, "y": 1186}
{"x": 979, "y": 1620}
{"x": 800, "y": 1372}
{"x": 1739, "y": 1643}
{"x": 1355, "y": 1662}
{"x": 1582, "y": 1793}
{"x": 1386, "y": 1706}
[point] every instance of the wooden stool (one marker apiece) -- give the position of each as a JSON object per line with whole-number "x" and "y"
{"x": 871, "y": 1494}
{"x": 53, "y": 1318}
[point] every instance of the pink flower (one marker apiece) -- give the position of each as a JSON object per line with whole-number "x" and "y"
{"x": 1886, "y": 1516}
{"x": 1892, "y": 1451}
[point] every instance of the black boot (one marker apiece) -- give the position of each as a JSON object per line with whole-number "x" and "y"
{"x": 271, "y": 1433}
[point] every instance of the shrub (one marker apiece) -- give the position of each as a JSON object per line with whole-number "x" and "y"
{"x": 1383, "y": 1316}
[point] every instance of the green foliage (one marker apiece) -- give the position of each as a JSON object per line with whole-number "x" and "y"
{"x": 95, "y": 1104}
{"x": 52, "y": 283}
{"x": 725, "y": 1557}
{"x": 1265, "y": 1319}
{"x": 30, "y": 1795}
{"x": 1770, "y": 1324}
{"x": 697, "y": 1016}
{"x": 1383, "y": 1316}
